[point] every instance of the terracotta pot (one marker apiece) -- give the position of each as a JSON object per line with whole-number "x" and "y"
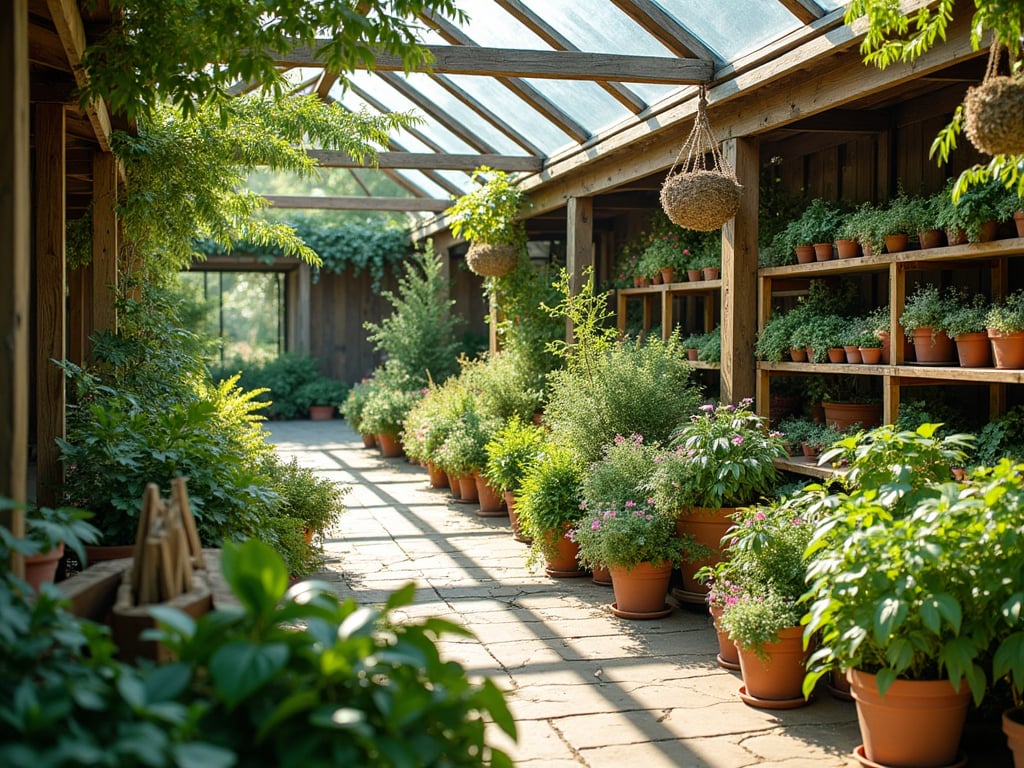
{"x": 438, "y": 478}
{"x": 491, "y": 504}
{"x": 601, "y": 576}
{"x": 642, "y": 282}
{"x": 321, "y": 412}
{"x": 1013, "y": 727}
{"x": 1007, "y": 348}
{"x": 390, "y": 446}
{"x": 453, "y": 485}
{"x": 870, "y": 355}
{"x": 897, "y": 243}
{"x": 974, "y": 350}
{"x": 810, "y": 451}
{"x": 839, "y": 685}
{"x": 691, "y": 354}
{"x": 467, "y": 488}
{"x": 513, "y": 519}
{"x": 804, "y": 254}
{"x": 933, "y": 347}
{"x": 810, "y": 353}
{"x": 308, "y": 534}
{"x": 917, "y": 722}
{"x": 798, "y": 355}
{"x": 728, "y": 656}
{"x": 668, "y": 274}
{"x": 886, "y": 346}
{"x": 1018, "y": 220}
{"x": 988, "y": 231}
{"x": 956, "y": 237}
{"x": 711, "y": 273}
{"x": 931, "y": 238}
{"x": 853, "y": 355}
{"x": 823, "y": 251}
{"x": 636, "y": 281}
{"x": 781, "y": 677}
{"x": 42, "y": 568}
{"x": 563, "y": 563}
{"x": 842, "y": 415}
{"x": 656, "y": 278}
{"x": 369, "y": 440}
{"x": 847, "y": 249}
{"x": 640, "y": 589}
{"x": 707, "y": 527}
{"x": 836, "y": 355}
{"x": 693, "y": 275}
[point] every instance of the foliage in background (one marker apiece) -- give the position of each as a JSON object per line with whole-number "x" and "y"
{"x": 510, "y": 452}
{"x": 276, "y": 382}
{"x": 488, "y": 213}
{"x": 505, "y": 385}
{"x": 623, "y": 473}
{"x": 191, "y": 53}
{"x": 355, "y": 246}
{"x": 549, "y": 498}
{"x": 418, "y": 337}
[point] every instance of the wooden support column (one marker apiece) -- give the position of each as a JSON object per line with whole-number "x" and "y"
{"x": 50, "y": 287}
{"x": 299, "y": 290}
{"x": 104, "y": 242}
{"x": 15, "y": 193}
{"x": 579, "y": 245}
{"x": 739, "y": 276}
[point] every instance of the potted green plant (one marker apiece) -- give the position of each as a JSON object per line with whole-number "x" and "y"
{"x": 966, "y": 324}
{"x": 316, "y": 502}
{"x": 510, "y": 452}
{"x": 321, "y": 396}
{"x": 353, "y": 407}
{"x": 825, "y": 335}
{"x": 666, "y": 255}
{"x": 924, "y": 317}
{"x": 818, "y": 226}
{"x": 933, "y": 632}
{"x": 869, "y": 345}
{"x": 898, "y": 220}
{"x": 1005, "y": 326}
{"x": 47, "y": 532}
{"x": 487, "y": 218}
{"x": 709, "y": 347}
{"x": 462, "y": 454}
{"x": 863, "y": 225}
{"x": 764, "y": 564}
{"x": 638, "y": 545}
{"x": 549, "y": 505}
{"x": 384, "y": 414}
{"x": 977, "y": 212}
{"x": 709, "y": 256}
{"x": 774, "y": 340}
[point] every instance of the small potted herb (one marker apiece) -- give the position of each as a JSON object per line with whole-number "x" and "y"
{"x": 1005, "y": 324}
{"x": 966, "y": 324}
{"x": 862, "y": 225}
{"x": 924, "y": 316}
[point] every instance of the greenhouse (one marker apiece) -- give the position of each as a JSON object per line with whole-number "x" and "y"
{"x": 507, "y": 382}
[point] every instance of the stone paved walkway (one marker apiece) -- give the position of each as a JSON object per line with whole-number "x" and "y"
{"x": 586, "y": 688}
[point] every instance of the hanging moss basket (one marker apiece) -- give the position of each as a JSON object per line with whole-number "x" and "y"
{"x": 701, "y": 200}
{"x": 994, "y": 116}
{"x": 490, "y": 260}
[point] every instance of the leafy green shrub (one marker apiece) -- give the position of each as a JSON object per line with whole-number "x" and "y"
{"x": 549, "y": 498}
{"x": 386, "y": 408}
{"x": 321, "y": 391}
{"x": 418, "y": 338}
{"x": 505, "y": 385}
{"x": 355, "y": 404}
{"x": 626, "y": 535}
{"x": 622, "y": 474}
{"x": 463, "y": 451}
{"x": 510, "y": 452}
{"x": 280, "y": 382}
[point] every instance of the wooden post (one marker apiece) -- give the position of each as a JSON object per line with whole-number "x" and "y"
{"x": 50, "y": 286}
{"x": 104, "y": 242}
{"x": 15, "y": 193}
{"x": 299, "y": 290}
{"x": 579, "y": 245}
{"x": 739, "y": 276}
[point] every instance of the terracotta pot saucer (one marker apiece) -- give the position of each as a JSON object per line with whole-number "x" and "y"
{"x": 556, "y": 574}
{"x": 665, "y": 611}
{"x": 730, "y": 665}
{"x": 753, "y": 701}
{"x": 464, "y": 500}
{"x": 692, "y": 598}
{"x": 496, "y": 513}
{"x": 838, "y": 693}
{"x": 858, "y": 753}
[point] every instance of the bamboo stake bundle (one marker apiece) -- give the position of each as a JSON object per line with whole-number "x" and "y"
{"x": 167, "y": 546}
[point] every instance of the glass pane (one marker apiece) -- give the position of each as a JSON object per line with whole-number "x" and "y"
{"x": 831, "y": 5}
{"x": 597, "y": 26}
{"x": 586, "y": 102}
{"x": 733, "y": 28}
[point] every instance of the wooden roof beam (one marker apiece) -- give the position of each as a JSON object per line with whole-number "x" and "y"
{"x": 429, "y": 161}
{"x": 559, "y": 42}
{"x": 521, "y": 62}
{"x": 666, "y": 30}
{"x": 398, "y": 204}
{"x": 807, "y": 11}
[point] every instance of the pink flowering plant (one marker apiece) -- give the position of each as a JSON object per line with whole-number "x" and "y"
{"x": 623, "y": 472}
{"x": 723, "y": 457}
{"x": 626, "y": 535}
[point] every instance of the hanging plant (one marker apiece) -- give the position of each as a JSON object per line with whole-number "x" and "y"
{"x": 698, "y": 194}
{"x": 487, "y": 218}
{"x": 994, "y": 110}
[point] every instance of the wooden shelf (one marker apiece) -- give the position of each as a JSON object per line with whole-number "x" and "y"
{"x": 920, "y": 259}
{"x": 852, "y": 369}
{"x": 674, "y": 289}
{"x": 950, "y": 373}
{"x": 809, "y": 467}
{"x": 704, "y": 366}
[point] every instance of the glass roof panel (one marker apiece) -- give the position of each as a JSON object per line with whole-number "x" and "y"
{"x": 491, "y": 26}
{"x": 831, "y": 5}
{"x": 586, "y": 102}
{"x": 733, "y": 28}
{"x": 597, "y": 26}
{"x": 423, "y": 182}
{"x": 462, "y": 113}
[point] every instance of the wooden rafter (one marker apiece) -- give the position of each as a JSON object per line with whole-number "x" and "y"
{"x": 523, "y": 62}
{"x": 442, "y": 117}
{"x": 434, "y": 176}
{"x": 521, "y": 88}
{"x": 68, "y": 22}
{"x": 449, "y": 85}
{"x": 665, "y": 29}
{"x": 429, "y": 161}
{"x": 400, "y": 204}
{"x": 807, "y": 11}
{"x": 559, "y": 42}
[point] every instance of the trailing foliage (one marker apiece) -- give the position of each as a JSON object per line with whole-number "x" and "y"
{"x": 488, "y": 213}
{"x": 418, "y": 337}
{"x": 190, "y": 53}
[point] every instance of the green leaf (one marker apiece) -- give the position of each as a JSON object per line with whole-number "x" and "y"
{"x": 167, "y": 682}
{"x": 178, "y": 621}
{"x": 197, "y": 753}
{"x": 256, "y": 574}
{"x": 240, "y": 668}
{"x": 494, "y": 700}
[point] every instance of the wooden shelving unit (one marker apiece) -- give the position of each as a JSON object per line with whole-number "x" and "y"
{"x": 809, "y": 467}
{"x": 992, "y": 256}
{"x": 660, "y": 297}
